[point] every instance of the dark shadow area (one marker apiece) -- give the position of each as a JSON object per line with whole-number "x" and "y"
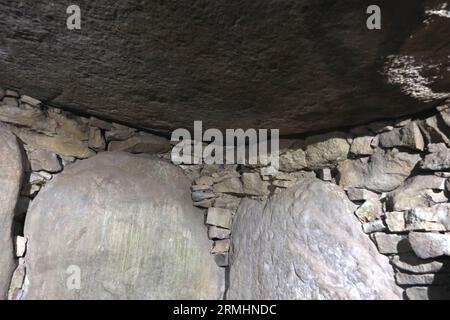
{"x": 440, "y": 288}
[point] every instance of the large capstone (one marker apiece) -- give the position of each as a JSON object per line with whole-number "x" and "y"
{"x": 298, "y": 65}
{"x": 296, "y": 247}
{"x": 126, "y": 226}
{"x": 11, "y": 171}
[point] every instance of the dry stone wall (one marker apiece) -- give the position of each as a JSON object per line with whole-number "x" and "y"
{"x": 396, "y": 173}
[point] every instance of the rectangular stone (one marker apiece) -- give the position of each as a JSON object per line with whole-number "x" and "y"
{"x": 219, "y": 217}
{"x": 31, "y": 101}
{"x": 404, "y": 279}
{"x": 216, "y": 233}
{"x": 221, "y": 246}
{"x": 21, "y": 246}
{"x": 373, "y": 226}
{"x": 391, "y": 243}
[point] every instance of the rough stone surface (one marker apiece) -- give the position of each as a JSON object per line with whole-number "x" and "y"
{"x": 357, "y": 194}
{"x": 128, "y": 222}
{"x": 436, "y": 218}
{"x": 434, "y": 129}
{"x": 233, "y": 185}
{"x": 410, "y": 263}
{"x": 438, "y": 157}
{"x": 391, "y": 243}
{"x": 383, "y": 171}
{"x": 219, "y": 217}
{"x": 11, "y": 173}
{"x": 164, "y": 65}
{"x": 416, "y": 279}
{"x": 428, "y": 293}
{"x": 373, "y": 226}
{"x": 63, "y": 146}
{"x": 408, "y": 137}
{"x": 418, "y": 191}
{"x": 143, "y": 143}
{"x": 293, "y": 160}
{"x": 362, "y": 146}
{"x": 43, "y": 160}
{"x": 430, "y": 245}
{"x": 301, "y": 248}
{"x": 215, "y": 233}
{"x": 395, "y": 221}
{"x": 96, "y": 140}
{"x": 326, "y": 150}
{"x": 253, "y": 184}
{"x": 370, "y": 210}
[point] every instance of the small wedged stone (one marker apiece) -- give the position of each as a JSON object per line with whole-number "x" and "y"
{"x": 200, "y": 187}
{"x": 325, "y": 174}
{"x": 358, "y": 194}
{"x": 283, "y": 183}
{"x": 30, "y": 100}
{"x": 407, "y": 137}
{"x": 96, "y": 140}
{"x": 429, "y": 245}
{"x": 207, "y": 203}
{"x": 20, "y": 245}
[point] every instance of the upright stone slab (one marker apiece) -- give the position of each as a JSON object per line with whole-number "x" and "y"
{"x": 124, "y": 222}
{"x": 10, "y": 183}
{"x": 298, "y": 247}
